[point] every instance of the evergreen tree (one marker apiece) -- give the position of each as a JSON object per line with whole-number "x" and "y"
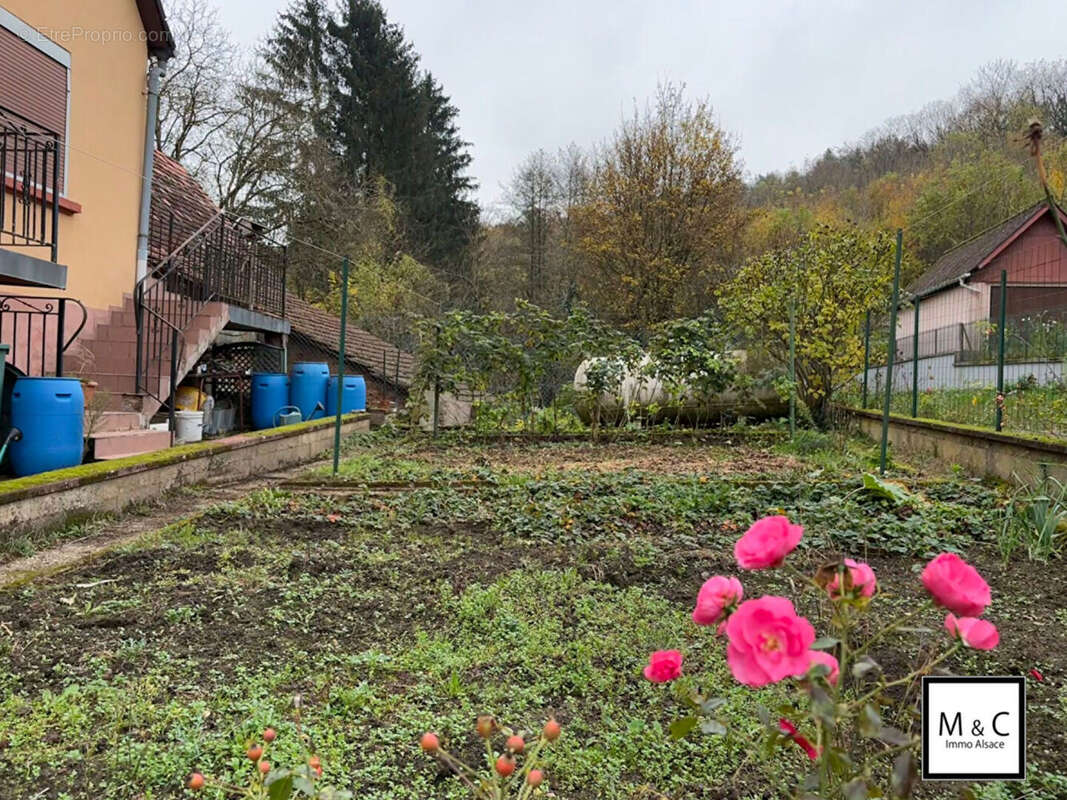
{"x": 384, "y": 117}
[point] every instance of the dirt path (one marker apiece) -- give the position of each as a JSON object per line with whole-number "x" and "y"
{"x": 128, "y": 527}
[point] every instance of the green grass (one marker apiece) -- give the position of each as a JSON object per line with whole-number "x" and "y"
{"x": 1040, "y": 410}
{"x": 542, "y": 591}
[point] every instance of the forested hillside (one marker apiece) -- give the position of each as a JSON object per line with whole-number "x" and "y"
{"x": 334, "y": 133}
{"x": 943, "y": 173}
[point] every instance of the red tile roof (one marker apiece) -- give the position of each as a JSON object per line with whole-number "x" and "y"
{"x": 376, "y": 356}
{"x": 175, "y": 191}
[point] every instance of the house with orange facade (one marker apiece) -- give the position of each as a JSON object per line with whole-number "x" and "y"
{"x": 113, "y": 268}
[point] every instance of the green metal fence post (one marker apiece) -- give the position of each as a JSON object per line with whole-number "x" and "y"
{"x": 915, "y": 364}
{"x": 340, "y": 366}
{"x": 436, "y": 383}
{"x": 866, "y": 356}
{"x": 1000, "y": 348}
{"x": 892, "y": 352}
{"x": 792, "y": 368}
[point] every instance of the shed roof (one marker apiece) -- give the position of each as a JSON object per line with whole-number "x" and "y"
{"x": 973, "y": 254}
{"x": 379, "y": 358}
{"x": 175, "y": 191}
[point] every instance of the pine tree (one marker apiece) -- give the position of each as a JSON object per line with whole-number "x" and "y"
{"x": 385, "y": 117}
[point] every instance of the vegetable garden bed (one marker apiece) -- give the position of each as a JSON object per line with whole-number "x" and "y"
{"x": 543, "y": 590}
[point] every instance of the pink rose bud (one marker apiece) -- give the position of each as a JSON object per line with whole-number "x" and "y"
{"x": 1035, "y": 673}
{"x": 860, "y": 575}
{"x": 790, "y": 730}
{"x": 978, "y": 634}
{"x": 664, "y": 666}
{"x": 828, "y": 661}
{"x": 714, "y": 598}
{"x": 767, "y": 641}
{"x": 956, "y": 585}
{"x": 767, "y": 543}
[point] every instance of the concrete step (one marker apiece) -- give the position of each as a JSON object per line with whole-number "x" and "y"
{"x": 113, "y": 421}
{"x": 119, "y": 444}
{"x": 126, "y": 402}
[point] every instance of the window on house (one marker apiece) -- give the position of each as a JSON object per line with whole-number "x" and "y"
{"x": 35, "y": 86}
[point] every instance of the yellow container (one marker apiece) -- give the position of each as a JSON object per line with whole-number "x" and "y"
{"x": 189, "y": 398}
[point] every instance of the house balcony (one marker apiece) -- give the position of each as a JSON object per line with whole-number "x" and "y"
{"x": 29, "y": 204}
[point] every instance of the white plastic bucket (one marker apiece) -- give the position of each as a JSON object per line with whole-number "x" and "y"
{"x": 189, "y": 425}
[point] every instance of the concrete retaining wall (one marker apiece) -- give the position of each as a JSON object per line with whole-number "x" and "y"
{"x": 46, "y": 500}
{"x": 981, "y": 452}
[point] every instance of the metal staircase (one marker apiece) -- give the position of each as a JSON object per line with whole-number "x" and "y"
{"x": 225, "y": 261}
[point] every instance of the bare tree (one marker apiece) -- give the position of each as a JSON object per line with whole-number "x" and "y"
{"x": 221, "y": 117}
{"x": 531, "y": 196}
{"x": 196, "y": 97}
{"x": 572, "y": 190}
{"x": 247, "y": 160}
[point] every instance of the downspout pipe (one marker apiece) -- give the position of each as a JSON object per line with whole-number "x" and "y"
{"x": 156, "y": 69}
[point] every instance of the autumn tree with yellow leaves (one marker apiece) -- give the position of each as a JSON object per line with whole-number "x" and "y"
{"x": 831, "y": 278}
{"x": 663, "y": 211}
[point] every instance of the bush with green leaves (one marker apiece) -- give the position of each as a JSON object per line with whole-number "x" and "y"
{"x": 853, "y": 723}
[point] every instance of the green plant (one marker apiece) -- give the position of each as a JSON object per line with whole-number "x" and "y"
{"x": 504, "y": 360}
{"x": 830, "y": 279}
{"x": 691, "y": 358}
{"x": 1035, "y": 519}
{"x": 268, "y": 781}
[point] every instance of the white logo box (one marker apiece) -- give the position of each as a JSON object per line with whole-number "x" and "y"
{"x": 973, "y": 728}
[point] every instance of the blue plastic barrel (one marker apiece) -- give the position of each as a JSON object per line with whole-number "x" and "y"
{"x": 307, "y": 388}
{"x": 270, "y": 394}
{"x": 353, "y": 398}
{"x": 50, "y": 412}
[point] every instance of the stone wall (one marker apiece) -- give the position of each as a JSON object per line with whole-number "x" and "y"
{"x": 985, "y": 453}
{"x": 48, "y": 499}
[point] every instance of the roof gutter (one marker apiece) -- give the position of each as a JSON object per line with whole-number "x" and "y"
{"x": 967, "y": 286}
{"x": 156, "y": 69}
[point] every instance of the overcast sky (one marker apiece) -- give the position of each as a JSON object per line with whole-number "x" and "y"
{"x": 789, "y": 79}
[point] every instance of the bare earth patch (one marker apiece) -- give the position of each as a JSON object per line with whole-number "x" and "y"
{"x": 605, "y": 458}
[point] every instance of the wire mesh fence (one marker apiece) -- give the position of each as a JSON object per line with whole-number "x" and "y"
{"x": 986, "y": 349}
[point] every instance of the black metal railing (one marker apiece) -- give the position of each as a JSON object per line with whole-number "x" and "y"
{"x": 226, "y": 260}
{"x": 35, "y": 328}
{"x": 29, "y": 202}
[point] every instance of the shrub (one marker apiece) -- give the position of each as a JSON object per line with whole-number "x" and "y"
{"x": 842, "y": 696}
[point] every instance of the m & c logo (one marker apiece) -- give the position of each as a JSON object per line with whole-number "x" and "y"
{"x": 974, "y": 728}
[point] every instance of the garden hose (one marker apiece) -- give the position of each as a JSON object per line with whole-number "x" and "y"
{"x": 12, "y": 435}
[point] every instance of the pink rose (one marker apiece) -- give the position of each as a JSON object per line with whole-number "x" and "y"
{"x": 767, "y": 543}
{"x": 828, "y": 661}
{"x": 715, "y": 596}
{"x": 978, "y": 634}
{"x": 861, "y": 577}
{"x": 956, "y": 585}
{"x": 767, "y": 641}
{"x": 664, "y": 666}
